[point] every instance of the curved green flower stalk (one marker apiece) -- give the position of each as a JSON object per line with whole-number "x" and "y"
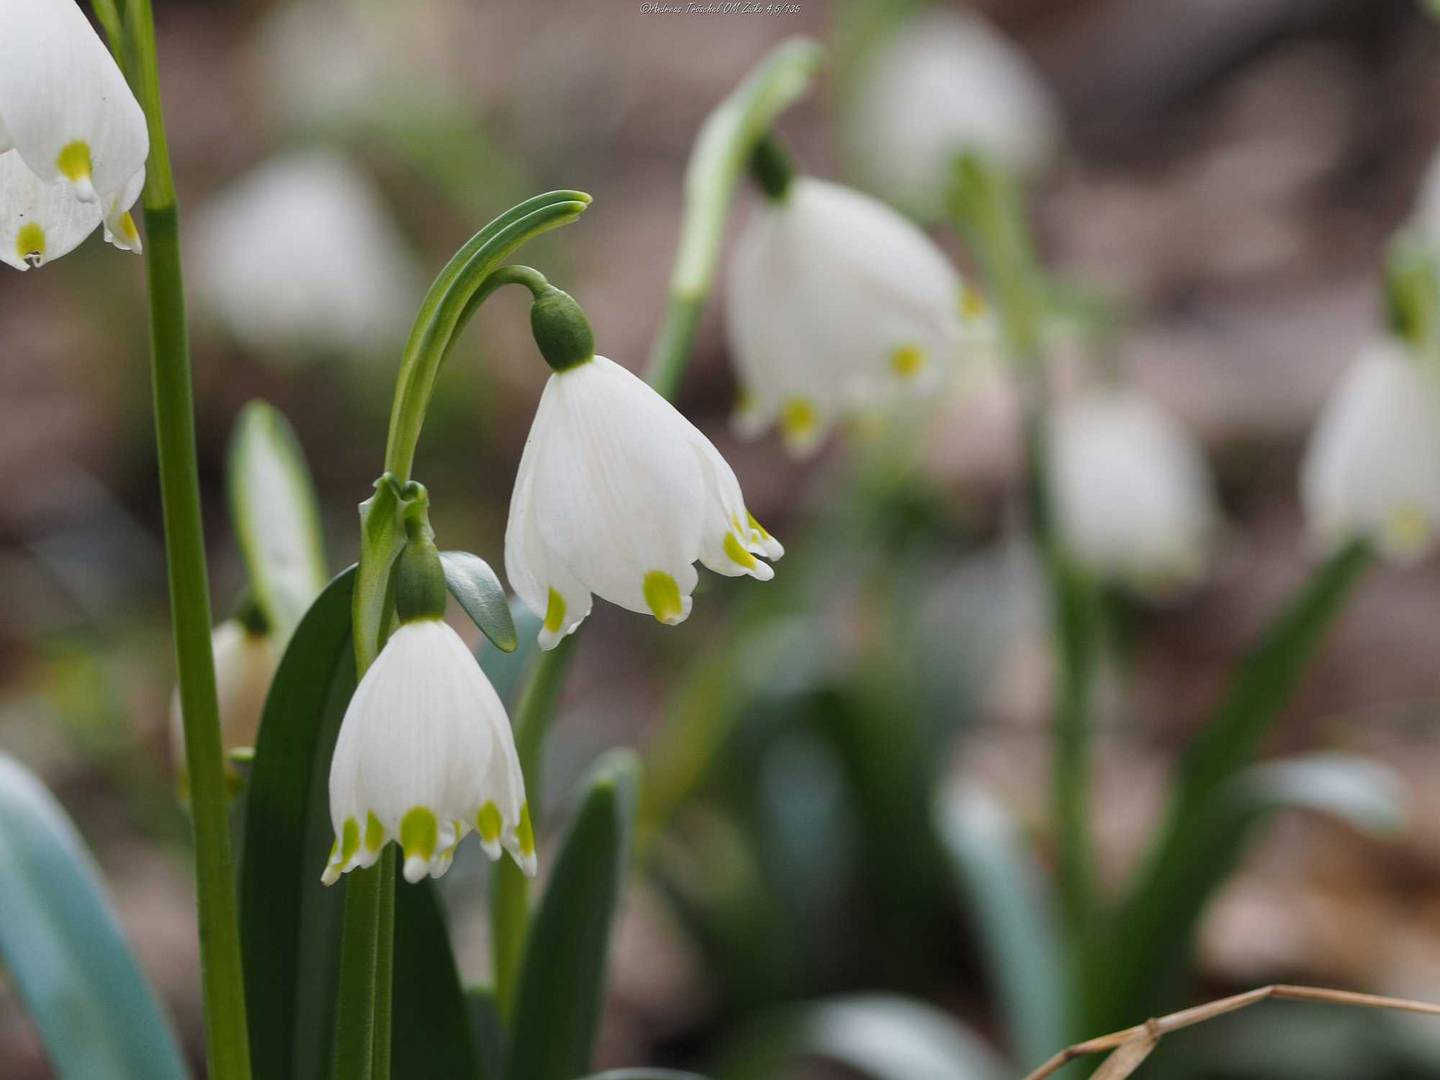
{"x": 362, "y": 1044}
{"x": 722, "y": 150}
{"x": 227, "y": 1044}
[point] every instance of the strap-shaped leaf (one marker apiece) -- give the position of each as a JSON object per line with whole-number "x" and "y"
{"x": 289, "y": 922}
{"x": 472, "y": 582}
{"x": 63, "y": 949}
{"x": 557, "y": 1003}
{"x": 272, "y": 502}
{"x": 645, "y": 1074}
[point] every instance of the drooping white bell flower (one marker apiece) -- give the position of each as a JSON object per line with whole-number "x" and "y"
{"x": 245, "y": 663}
{"x": 1372, "y": 468}
{"x": 837, "y": 302}
{"x": 1131, "y": 492}
{"x": 618, "y": 495}
{"x": 73, "y": 140}
{"x": 947, "y": 82}
{"x": 425, "y": 751}
{"x": 300, "y": 258}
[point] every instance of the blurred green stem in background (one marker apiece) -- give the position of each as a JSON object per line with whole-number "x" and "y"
{"x": 227, "y": 1046}
{"x": 362, "y": 1022}
{"x": 985, "y": 206}
{"x": 722, "y": 150}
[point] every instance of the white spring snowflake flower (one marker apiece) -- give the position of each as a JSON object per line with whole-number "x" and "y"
{"x": 618, "y": 495}
{"x": 837, "y": 302}
{"x": 947, "y": 82}
{"x": 300, "y": 257}
{"x": 73, "y": 140}
{"x": 1372, "y": 468}
{"x": 1131, "y": 492}
{"x": 425, "y": 754}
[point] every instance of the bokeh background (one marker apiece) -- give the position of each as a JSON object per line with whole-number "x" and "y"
{"x": 1232, "y": 173}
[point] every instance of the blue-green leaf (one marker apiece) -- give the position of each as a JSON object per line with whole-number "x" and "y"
{"x": 64, "y": 951}
{"x": 562, "y": 980}
{"x": 272, "y": 502}
{"x": 508, "y": 671}
{"x": 472, "y": 582}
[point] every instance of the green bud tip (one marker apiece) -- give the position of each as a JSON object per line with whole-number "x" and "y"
{"x": 562, "y": 332}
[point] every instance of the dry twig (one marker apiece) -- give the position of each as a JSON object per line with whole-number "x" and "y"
{"x": 1133, "y": 1045}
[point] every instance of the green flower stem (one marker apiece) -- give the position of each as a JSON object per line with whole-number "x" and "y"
{"x": 510, "y": 909}
{"x": 986, "y": 208}
{"x": 227, "y": 1044}
{"x": 362, "y": 1023}
{"x": 723, "y": 149}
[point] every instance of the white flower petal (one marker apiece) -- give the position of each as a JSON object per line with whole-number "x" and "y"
{"x": 836, "y": 303}
{"x": 415, "y": 760}
{"x": 619, "y": 495}
{"x": 67, "y": 109}
{"x": 1131, "y": 491}
{"x": 245, "y": 664}
{"x": 947, "y": 82}
{"x": 120, "y": 227}
{"x": 39, "y": 221}
{"x": 1372, "y": 468}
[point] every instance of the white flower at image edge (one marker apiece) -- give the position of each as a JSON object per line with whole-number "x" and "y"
{"x": 301, "y": 257}
{"x": 245, "y": 663}
{"x": 1132, "y": 495}
{"x": 1372, "y": 468}
{"x": 947, "y": 82}
{"x": 73, "y": 140}
{"x": 836, "y": 303}
{"x": 618, "y": 495}
{"x": 425, "y": 754}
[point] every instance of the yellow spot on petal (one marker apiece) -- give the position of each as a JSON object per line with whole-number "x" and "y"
{"x": 764, "y": 534}
{"x": 525, "y": 832}
{"x": 738, "y": 554}
{"x": 554, "y": 612}
{"x": 374, "y": 833}
{"x": 74, "y": 162}
{"x": 30, "y": 244}
{"x": 1407, "y": 531}
{"x": 662, "y": 594}
{"x": 419, "y": 833}
{"x": 488, "y": 823}
{"x": 128, "y": 231}
{"x": 349, "y": 839}
{"x": 797, "y": 418}
{"x": 972, "y": 304}
{"x": 907, "y": 360}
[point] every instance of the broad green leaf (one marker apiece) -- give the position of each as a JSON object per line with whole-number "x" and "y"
{"x": 272, "y": 502}
{"x": 562, "y": 979}
{"x": 472, "y": 582}
{"x": 290, "y": 922}
{"x": 883, "y": 1036}
{"x": 431, "y": 1022}
{"x": 63, "y": 949}
{"x": 1200, "y": 840}
{"x": 487, "y": 1030}
{"x": 1013, "y": 919}
{"x": 507, "y": 671}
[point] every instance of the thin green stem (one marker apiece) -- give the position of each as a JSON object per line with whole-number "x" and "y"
{"x": 355, "y": 1023}
{"x": 510, "y": 907}
{"x": 227, "y": 1041}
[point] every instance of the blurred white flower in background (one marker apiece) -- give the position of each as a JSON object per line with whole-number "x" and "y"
{"x": 301, "y": 257}
{"x": 618, "y": 495}
{"x": 944, "y": 83}
{"x": 1131, "y": 491}
{"x": 835, "y": 303}
{"x": 245, "y": 663}
{"x": 73, "y": 140}
{"x": 1372, "y": 468}
{"x": 425, "y": 754}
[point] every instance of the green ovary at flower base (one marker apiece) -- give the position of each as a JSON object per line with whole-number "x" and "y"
{"x": 425, "y": 753}
{"x": 617, "y": 495}
{"x": 73, "y": 139}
